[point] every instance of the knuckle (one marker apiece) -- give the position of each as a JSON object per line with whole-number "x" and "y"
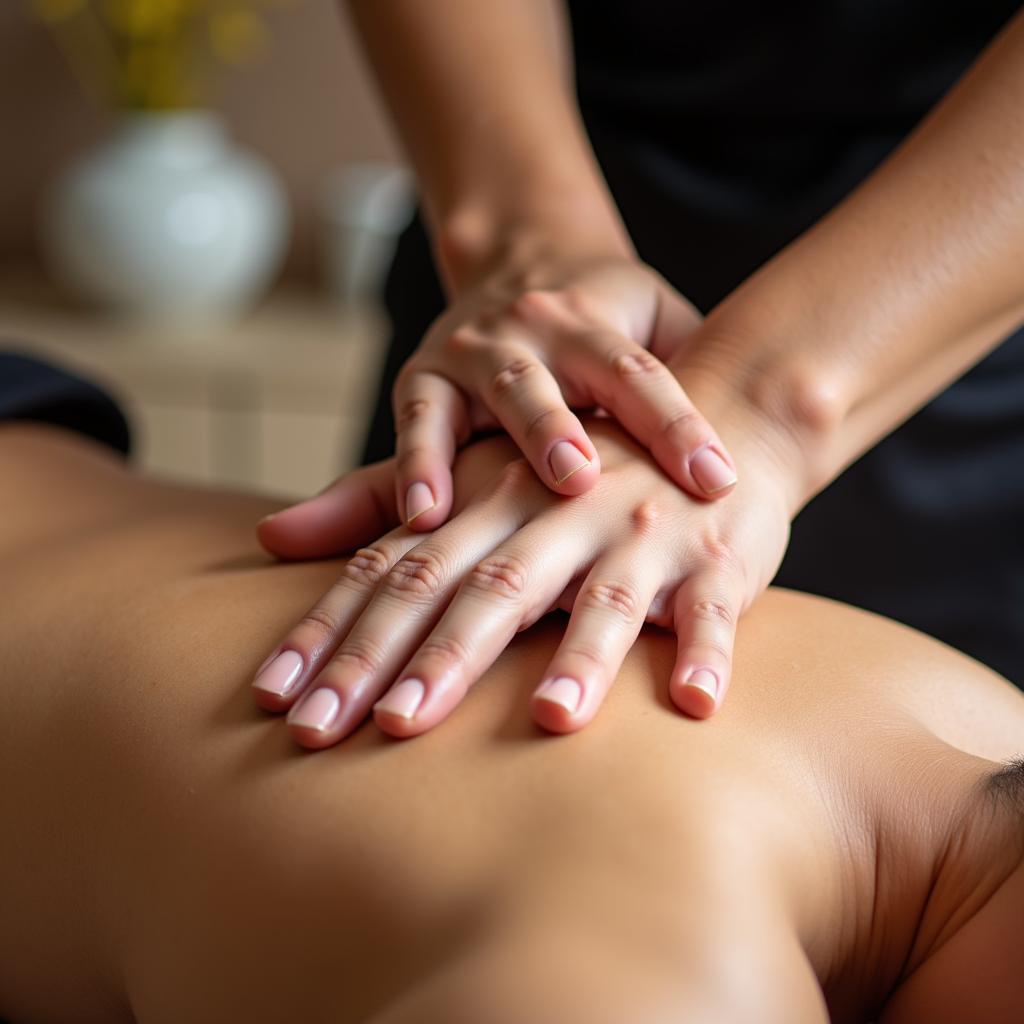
{"x": 579, "y": 650}
{"x": 681, "y": 421}
{"x": 320, "y": 621}
{"x": 360, "y": 656}
{"x": 463, "y": 340}
{"x": 577, "y": 299}
{"x": 539, "y": 421}
{"x": 367, "y": 567}
{"x": 534, "y": 303}
{"x": 419, "y": 574}
{"x": 632, "y": 363}
{"x": 448, "y": 650}
{"x": 723, "y": 556}
{"x": 416, "y": 454}
{"x": 714, "y": 610}
{"x": 411, "y": 412}
{"x": 710, "y": 650}
{"x": 615, "y": 596}
{"x": 502, "y": 576}
{"x": 510, "y": 375}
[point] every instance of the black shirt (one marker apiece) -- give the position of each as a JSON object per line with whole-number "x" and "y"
{"x": 744, "y": 122}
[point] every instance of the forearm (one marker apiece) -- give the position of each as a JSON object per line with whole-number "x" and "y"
{"x": 482, "y": 98}
{"x": 895, "y": 294}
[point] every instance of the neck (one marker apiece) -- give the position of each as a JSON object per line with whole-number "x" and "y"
{"x": 967, "y": 960}
{"x": 948, "y": 853}
{"x": 930, "y": 863}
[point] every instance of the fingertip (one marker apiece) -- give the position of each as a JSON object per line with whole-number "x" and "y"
{"x": 315, "y": 721}
{"x": 280, "y": 681}
{"x": 552, "y": 718}
{"x": 351, "y": 510}
{"x": 284, "y": 534}
{"x": 558, "y": 704}
{"x": 275, "y": 703}
{"x": 698, "y": 693}
{"x": 411, "y": 708}
{"x": 425, "y": 502}
{"x": 712, "y": 472}
{"x": 396, "y": 726}
{"x": 571, "y": 466}
{"x": 291, "y": 537}
{"x": 266, "y": 534}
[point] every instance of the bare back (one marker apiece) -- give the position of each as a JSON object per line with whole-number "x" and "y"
{"x": 181, "y": 860}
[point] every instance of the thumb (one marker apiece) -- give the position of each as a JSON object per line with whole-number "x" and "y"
{"x": 355, "y": 509}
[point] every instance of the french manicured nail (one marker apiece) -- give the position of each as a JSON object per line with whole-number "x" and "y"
{"x": 711, "y": 471}
{"x": 418, "y": 499}
{"x": 706, "y": 680}
{"x": 566, "y": 459}
{"x": 403, "y": 699}
{"x": 564, "y": 691}
{"x": 318, "y": 711}
{"x": 281, "y": 674}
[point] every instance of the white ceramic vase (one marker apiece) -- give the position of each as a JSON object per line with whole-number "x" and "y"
{"x": 167, "y": 219}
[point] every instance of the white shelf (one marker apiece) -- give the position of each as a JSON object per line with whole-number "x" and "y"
{"x": 276, "y": 400}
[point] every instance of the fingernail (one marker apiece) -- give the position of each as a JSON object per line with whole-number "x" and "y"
{"x": 706, "y": 680}
{"x": 267, "y": 519}
{"x": 403, "y": 699}
{"x": 418, "y": 499}
{"x": 711, "y": 471}
{"x": 566, "y": 459}
{"x": 318, "y": 711}
{"x": 281, "y": 674}
{"x": 564, "y": 691}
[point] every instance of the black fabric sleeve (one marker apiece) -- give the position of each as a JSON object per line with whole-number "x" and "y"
{"x": 31, "y": 389}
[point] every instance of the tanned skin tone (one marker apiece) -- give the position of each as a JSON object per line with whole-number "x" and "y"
{"x": 829, "y": 346}
{"x": 828, "y": 844}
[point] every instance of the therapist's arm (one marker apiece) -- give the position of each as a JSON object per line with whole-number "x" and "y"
{"x": 549, "y": 307}
{"x": 892, "y": 296}
{"x": 481, "y": 95}
{"x": 832, "y": 344}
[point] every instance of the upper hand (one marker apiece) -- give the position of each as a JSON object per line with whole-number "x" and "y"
{"x": 519, "y": 349}
{"x": 434, "y": 612}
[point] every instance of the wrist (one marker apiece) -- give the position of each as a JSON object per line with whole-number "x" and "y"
{"x": 530, "y": 227}
{"x": 781, "y": 351}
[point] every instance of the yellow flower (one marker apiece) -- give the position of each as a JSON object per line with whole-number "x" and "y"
{"x": 237, "y": 35}
{"x": 57, "y": 10}
{"x": 137, "y": 19}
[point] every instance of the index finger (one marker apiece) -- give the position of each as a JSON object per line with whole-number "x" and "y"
{"x": 309, "y": 645}
{"x": 430, "y": 418}
{"x": 648, "y": 401}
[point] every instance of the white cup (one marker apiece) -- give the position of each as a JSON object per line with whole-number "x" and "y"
{"x": 363, "y": 209}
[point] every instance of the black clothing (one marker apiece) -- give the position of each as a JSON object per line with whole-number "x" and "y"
{"x": 33, "y": 390}
{"x": 724, "y": 131}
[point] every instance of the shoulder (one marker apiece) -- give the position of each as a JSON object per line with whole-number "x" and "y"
{"x": 821, "y": 658}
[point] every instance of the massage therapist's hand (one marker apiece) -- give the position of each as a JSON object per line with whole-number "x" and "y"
{"x": 520, "y": 348}
{"x": 414, "y": 620}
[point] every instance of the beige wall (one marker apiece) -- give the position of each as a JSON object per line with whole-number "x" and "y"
{"x": 308, "y": 106}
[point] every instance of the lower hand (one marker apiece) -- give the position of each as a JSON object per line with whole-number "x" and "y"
{"x": 434, "y": 612}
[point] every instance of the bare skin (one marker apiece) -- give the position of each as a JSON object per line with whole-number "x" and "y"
{"x": 168, "y": 854}
{"x": 833, "y": 343}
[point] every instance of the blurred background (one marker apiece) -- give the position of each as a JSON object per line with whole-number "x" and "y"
{"x": 198, "y": 199}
